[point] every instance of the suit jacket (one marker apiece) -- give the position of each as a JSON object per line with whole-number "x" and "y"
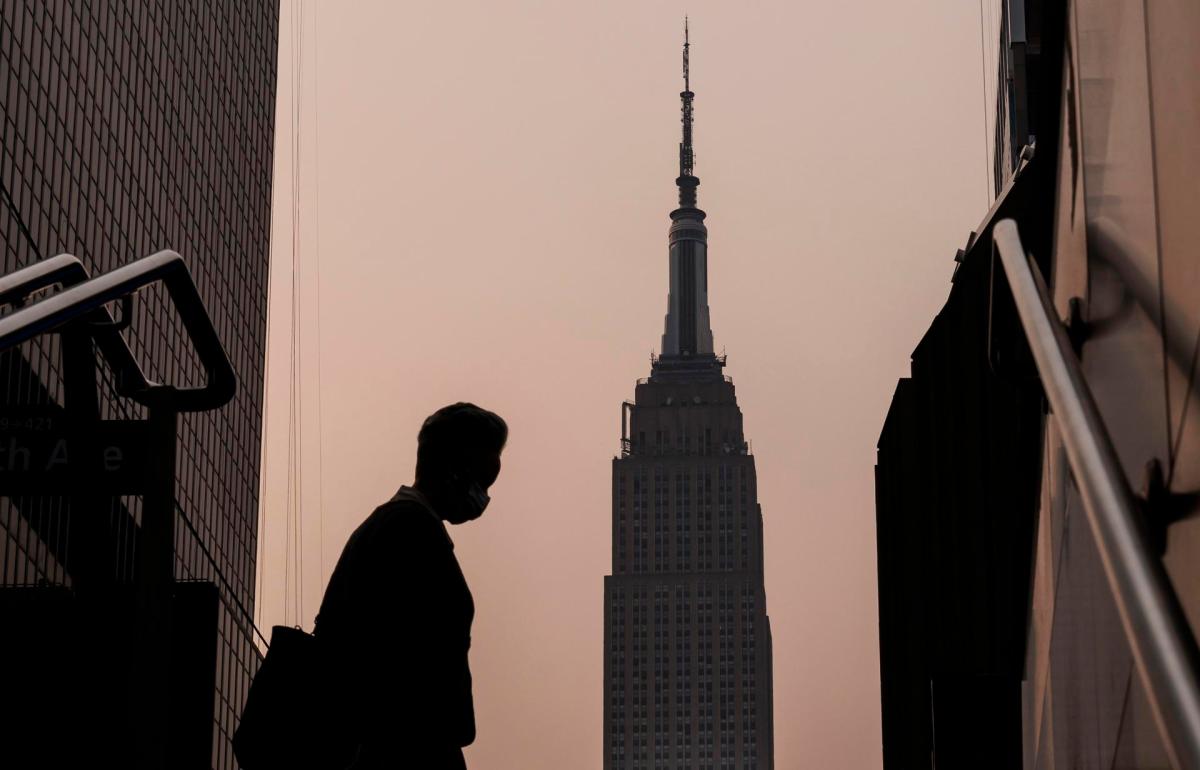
{"x": 395, "y": 624}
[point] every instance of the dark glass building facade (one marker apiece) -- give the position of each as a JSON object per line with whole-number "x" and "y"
{"x": 125, "y": 129}
{"x": 1003, "y": 620}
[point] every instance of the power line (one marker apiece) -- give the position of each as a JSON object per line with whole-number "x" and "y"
{"x": 220, "y": 574}
{"x": 317, "y": 225}
{"x": 299, "y": 337}
{"x": 291, "y": 568}
{"x": 11, "y": 205}
{"x": 987, "y": 189}
{"x": 287, "y": 544}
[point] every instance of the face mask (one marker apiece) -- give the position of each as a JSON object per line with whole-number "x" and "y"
{"x": 471, "y": 501}
{"x": 477, "y": 500}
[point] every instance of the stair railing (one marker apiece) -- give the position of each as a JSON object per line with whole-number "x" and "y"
{"x": 83, "y": 297}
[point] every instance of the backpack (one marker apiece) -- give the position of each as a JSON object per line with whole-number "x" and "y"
{"x": 293, "y": 717}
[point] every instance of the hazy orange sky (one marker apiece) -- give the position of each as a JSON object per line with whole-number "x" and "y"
{"x": 483, "y": 193}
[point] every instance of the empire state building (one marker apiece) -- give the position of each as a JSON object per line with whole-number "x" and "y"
{"x": 687, "y": 641}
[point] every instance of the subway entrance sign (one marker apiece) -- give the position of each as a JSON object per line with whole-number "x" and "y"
{"x": 47, "y": 453}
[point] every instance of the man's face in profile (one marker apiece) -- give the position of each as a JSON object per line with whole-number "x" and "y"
{"x": 478, "y": 477}
{"x": 487, "y": 470}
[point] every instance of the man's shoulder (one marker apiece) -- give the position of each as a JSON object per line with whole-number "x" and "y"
{"x": 406, "y": 518}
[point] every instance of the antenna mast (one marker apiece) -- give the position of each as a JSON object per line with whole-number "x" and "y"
{"x": 686, "y": 45}
{"x": 687, "y": 182}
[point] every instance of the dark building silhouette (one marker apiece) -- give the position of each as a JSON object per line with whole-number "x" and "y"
{"x": 1001, "y": 631}
{"x": 959, "y": 464}
{"x": 125, "y": 129}
{"x": 687, "y": 641}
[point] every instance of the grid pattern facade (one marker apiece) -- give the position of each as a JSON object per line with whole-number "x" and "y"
{"x": 128, "y": 128}
{"x": 687, "y": 668}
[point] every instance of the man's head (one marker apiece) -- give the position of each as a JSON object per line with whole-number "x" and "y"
{"x": 458, "y": 458}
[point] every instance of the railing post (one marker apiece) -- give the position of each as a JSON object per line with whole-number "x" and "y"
{"x": 87, "y": 531}
{"x": 156, "y": 584}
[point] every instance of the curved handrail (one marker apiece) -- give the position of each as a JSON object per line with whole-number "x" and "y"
{"x": 90, "y": 296}
{"x": 1161, "y": 642}
{"x": 67, "y": 270}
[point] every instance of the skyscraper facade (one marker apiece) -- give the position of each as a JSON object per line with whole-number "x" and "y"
{"x": 687, "y": 641}
{"x": 1024, "y": 619}
{"x": 125, "y": 129}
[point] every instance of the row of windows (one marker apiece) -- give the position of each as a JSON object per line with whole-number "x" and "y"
{"x": 705, "y": 444}
{"x": 675, "y": 547}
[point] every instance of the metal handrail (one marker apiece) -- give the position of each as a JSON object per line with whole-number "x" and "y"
{"x": 90, "y": 297}
{"x": 1158, "y": 636}
{"x": 67, "y": 270}
{"x": 64, "y": 269}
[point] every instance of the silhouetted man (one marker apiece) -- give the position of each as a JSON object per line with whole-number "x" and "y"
{"x": 396, "y": 617}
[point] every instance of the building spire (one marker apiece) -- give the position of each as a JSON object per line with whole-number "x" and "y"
{"x": 687, "y": 335}
{"x": 687, "y": 182}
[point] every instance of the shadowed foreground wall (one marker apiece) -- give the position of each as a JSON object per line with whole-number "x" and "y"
{"x": 128, "y": 128}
